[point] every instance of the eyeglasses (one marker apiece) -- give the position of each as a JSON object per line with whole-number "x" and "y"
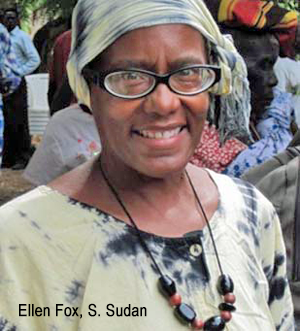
{"x": 137, "y": 83}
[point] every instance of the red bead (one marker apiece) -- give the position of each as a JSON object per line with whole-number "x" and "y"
{"x": 226, "y": 315}
{"x": 229, "y": 298}
{"x": 197, "y": 324}
{"x": 175, "y": 299}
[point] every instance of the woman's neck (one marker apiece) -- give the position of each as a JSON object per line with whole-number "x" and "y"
{"x": 128, "y": 180}
{"x": 159, "y": 206}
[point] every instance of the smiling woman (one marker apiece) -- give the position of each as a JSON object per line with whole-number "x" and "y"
{"x": 139, "y": 226}
{"x": 171, "y": 118}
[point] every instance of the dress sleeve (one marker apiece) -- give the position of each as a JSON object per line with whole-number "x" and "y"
{"x": 274, "y": 263}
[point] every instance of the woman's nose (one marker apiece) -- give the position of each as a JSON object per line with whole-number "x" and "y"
{"x": 162, "y": 101}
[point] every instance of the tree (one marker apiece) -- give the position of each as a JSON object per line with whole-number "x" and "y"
{"x": 290, "y": 5}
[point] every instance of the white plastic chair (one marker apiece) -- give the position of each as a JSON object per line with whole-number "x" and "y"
{"x": 38, "y": 107}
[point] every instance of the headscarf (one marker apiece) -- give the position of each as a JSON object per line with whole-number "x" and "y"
{"x": 260, "y": 15}
{"x": 97, "y": 24}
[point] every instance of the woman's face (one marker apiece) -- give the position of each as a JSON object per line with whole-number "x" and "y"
{"x": 157, "y": 134}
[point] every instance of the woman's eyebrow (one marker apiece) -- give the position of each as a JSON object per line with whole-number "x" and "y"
{"x": 125, "y": 64}
{"x": 147, "y": 65}
{"x": 186, "y": 61}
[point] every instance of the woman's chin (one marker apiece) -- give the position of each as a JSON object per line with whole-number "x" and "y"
{"x": 163, "y": 168}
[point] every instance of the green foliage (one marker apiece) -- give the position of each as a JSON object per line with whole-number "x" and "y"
{"x": 290, "y": 5}
{"x": 55, "y": 8}
{"x": 49, "y": 9}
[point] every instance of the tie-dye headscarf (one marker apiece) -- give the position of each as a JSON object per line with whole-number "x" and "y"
{"x": 98, "y": 23}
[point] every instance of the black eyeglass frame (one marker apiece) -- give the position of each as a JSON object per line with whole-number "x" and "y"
{"x": 98, "y": 78}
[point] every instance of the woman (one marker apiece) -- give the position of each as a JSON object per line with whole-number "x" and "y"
{"x": 90, "y": 249}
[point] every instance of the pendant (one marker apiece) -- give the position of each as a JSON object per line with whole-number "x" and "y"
{"x": 215, "y": 323}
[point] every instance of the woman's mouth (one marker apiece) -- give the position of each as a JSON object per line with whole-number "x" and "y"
{"x": 159, "y": 134}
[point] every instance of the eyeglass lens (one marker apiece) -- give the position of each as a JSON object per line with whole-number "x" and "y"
{"x": 192, "y": 80}
{"x": 129, "y": 82}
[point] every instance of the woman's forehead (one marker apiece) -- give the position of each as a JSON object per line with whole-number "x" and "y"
{"x": 179, "y": 42}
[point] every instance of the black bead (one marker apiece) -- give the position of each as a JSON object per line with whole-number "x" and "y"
{"x": 167, "y": 285}
{"x": 215, "y": 323}
{"x": 227, "y": 307}
{"x": 225, "y": 284}
{"x": 185, "y": 313}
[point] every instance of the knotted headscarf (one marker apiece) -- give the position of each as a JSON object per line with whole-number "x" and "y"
{"x": 97, "y": 24}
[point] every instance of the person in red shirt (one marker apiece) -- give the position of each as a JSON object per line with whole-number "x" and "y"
{"x": 57, "y": 69}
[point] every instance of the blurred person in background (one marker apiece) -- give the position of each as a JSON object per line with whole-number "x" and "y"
{"x": 70, "y": 139}
{"x": 287, "y": 70}
{"x": 9, "y": 77}
{"x": 17, "y": 141}
{"x": 59, "y": 90}
{"x": 270, "y": 108}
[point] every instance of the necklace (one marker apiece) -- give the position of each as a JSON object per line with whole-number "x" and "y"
{"x": 185, "y": 313}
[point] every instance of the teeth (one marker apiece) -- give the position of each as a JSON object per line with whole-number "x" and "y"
{"x": 159, "y": 135}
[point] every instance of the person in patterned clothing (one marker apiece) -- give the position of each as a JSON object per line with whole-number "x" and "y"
{"x": 9, "y": 77}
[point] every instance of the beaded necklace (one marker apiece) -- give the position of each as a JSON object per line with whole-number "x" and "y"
{"x": 185, "y": 313}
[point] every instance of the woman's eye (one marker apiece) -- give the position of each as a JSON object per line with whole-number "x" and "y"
{"x": 131, "y": 76}
{"x": 192, "y": 73}
{"x": 187, "y": 72}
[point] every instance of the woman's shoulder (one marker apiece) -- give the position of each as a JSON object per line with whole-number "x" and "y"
{"x": 40, "y": 198}
{"x": 45, "y": 220}
{"x": 38, "y": 212}
{"x": 229, "y": 187}
{"x": 223, "y": 183}
{"x": 241, "y": 194}
{"x": 15, "y": 219}
{"x": 25, "y": 199}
